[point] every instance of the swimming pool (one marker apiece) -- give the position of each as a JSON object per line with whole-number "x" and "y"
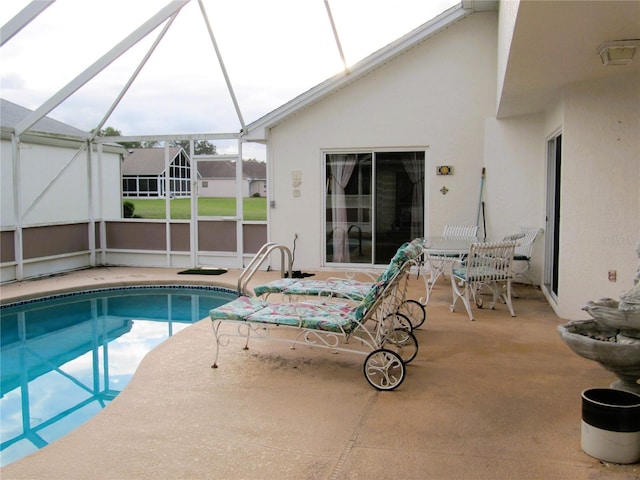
{"x": 66, "y": 357}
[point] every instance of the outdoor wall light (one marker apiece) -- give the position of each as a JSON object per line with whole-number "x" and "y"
{"x": 619, "y": 52}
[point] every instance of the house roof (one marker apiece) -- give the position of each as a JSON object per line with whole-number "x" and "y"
{"x": 150, "y": 161}
{"x": 256, "y": 129}
{"x": 11, "y": 114}
{"x": 251, "y": 169}
{"x": 147, "y": 161}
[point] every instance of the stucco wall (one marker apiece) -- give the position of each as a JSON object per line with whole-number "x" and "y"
{"x": 508, "y": 15}
{"x": 515, "y": 159}
{"x": 435, "y": 97}
{"x": 600, "y": 190}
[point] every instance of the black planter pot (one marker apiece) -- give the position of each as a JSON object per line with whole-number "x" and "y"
{"x": 611, "y": 425}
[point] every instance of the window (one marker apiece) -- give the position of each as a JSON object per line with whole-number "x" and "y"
{"x": 374, "y": 202}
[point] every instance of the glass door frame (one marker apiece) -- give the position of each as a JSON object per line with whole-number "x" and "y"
{"x": 373, "y": 217}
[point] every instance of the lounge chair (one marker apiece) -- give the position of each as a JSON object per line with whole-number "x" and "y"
{"x": 329, "y": 324}
{"x": 350, "y": 289}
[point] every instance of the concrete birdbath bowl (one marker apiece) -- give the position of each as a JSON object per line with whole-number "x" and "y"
{"x": 615, "y": 351}
{"x": 612, "y": 337}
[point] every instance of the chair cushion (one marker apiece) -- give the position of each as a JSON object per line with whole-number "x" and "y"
{"x": 237, "y": 309}
{"x": 331, "y": 317}
{"x": 351, "y": 289}
{"x": 275, "y": 286}
{"x": 479, "y": 274}
{"x": 316, "y": 316}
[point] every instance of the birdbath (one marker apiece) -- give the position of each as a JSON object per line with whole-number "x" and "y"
{"x": 612, "y": 336}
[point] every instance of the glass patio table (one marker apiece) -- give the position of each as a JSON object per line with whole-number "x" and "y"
{"x": 440, "y": 253}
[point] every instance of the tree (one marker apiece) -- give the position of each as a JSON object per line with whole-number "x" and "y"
{"x": 114, "y": 132}
{"x": 200, "y": 147}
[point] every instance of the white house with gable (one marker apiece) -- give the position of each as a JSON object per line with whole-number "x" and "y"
{"x": 517, "y": 88}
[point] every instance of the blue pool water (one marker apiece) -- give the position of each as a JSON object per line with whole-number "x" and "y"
{"x": 65, "y": 358}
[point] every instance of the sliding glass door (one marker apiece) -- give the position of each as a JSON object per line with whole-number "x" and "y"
{"x": 374, "y": 202}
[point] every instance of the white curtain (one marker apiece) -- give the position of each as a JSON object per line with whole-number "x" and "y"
{"x": 414, "y": 166}
{"x": 341, "y": 169}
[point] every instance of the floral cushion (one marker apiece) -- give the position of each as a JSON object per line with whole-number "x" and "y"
{"x": 275, "y": 286}
{"x": 351, "y": 289}
{"x": 367, "y": 302}
{"x": 327, "y": 317}
{"x": 237, "y": 309}
{"x": 316, "y": 316}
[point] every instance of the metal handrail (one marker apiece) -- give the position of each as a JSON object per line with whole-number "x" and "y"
{"x": 259, "y": 258}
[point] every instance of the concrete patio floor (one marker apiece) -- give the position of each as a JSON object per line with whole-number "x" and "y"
{"x": 498, "y": 398}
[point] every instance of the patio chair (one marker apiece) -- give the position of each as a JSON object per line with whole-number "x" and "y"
{"x": 350, "y": 289}
{"x": 488, "y": 264}
{"x": 513, "y": 237}
{"x": 339, "y": 327}
{"x": 524, "y": 251}
{"x": 437, "y": 263}
{"x": 469, "y": 231}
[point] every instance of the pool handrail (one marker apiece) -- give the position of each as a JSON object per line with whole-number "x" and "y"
{"x": 259, "y": 258}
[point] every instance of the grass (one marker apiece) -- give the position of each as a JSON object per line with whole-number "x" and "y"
{"x": 255, "y": 208}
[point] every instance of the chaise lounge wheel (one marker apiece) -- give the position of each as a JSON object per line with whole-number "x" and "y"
{"x": 384, "y": 369}
{"x": 402, "y": 342}
{"x": 414, "y": 311}
{"x": 397, "y": 320}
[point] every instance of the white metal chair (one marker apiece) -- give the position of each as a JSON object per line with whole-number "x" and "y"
{"x": 438, "y": 262}
{"x": 514, "y": 237}
{"x": 524, "y": 251}
{"x": 487, "y": 265}
{"x": 461, "y": 231}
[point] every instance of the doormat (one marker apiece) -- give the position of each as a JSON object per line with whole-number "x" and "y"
{"x": 203, "y": 271}
{"x": 299, "y": 274}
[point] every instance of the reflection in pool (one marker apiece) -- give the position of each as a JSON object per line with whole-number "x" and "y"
{"x": 63, "y": 359}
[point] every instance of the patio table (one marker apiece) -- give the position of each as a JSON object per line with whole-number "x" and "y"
{"x": 440, "y": 254}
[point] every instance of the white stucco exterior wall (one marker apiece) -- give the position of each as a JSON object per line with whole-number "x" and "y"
{"x": 600, "y": 191}
{"x": 435, "y": 97}
{"x": 514, "y": 184}
{"x": 508, "y": 13}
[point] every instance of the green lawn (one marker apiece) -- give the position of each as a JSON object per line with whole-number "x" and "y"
{"x": 255, "y": 208}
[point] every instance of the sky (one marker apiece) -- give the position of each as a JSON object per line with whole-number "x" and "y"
{"x": 273, "y": 51}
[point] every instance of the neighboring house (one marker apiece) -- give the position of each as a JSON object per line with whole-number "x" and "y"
{"x": 217, "y": 176}
{"x": 521, "y": 92}
{"x": 144, "y": 171}
{"x": 143, "y": 174}
{"x": 48, "y": 208}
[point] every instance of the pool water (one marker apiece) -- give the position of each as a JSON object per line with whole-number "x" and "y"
{"x": 65, "y": 358}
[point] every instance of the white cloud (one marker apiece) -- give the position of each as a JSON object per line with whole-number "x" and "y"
{"x": 273, "y": 51}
